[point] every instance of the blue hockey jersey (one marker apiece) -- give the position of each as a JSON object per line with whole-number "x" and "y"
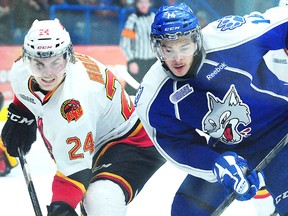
{"x": 233, "y": 98}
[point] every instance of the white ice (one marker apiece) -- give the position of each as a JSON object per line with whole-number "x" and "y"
{"x": 154, "y": 200}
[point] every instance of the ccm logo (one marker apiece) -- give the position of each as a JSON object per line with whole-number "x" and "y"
{"x": 172, "y": 28}
{"x": 44, "y": 47}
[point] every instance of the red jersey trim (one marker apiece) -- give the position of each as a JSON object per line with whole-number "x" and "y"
{"x": 118, "y": 179}
{"x": 262, "y": 194}
{"x": 67, "y": 190}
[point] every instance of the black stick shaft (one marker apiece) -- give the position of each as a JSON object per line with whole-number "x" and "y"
{"x": 268, "y": 158}
{"x": 29, "y": 183}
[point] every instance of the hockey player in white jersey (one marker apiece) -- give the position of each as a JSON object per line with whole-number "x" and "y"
{"x": 86, "y": 120}
{"x": 216, "y": 81}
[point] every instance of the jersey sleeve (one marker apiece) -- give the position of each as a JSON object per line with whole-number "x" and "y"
{"x": 262, "y": 28}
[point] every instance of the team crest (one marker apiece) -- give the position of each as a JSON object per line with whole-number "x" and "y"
{"x": 224, "y": 117}
{"x": 230, "y": 22}
{"x": 71, "y": 110}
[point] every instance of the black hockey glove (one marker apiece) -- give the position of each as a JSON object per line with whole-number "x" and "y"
{"x": 60, "y": 209}
{"x": 19, "y": 130}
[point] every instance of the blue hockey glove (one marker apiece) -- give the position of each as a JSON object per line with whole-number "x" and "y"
{"x": 60, "y": 209}
{"x": 19, "y": 130}
{"x": 230, "y": 170}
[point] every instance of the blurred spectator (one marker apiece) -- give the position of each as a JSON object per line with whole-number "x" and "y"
{"x": 158, "y": 3}
{"x": 51, "y": 2}
{"x": 120, "y": 3}
{"x": 135, "y": 42}
{"x": 6, "y": 27}
{"x": 26, "y": 11}
{"x": 76, "y": 2}
{"x": 127, "y": 3}
{"x": 202, "y": 18}
{"x": 83, "y": 2}
{"x": 39, "y": 5}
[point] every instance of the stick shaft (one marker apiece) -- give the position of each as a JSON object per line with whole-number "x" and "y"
{"x": 268, "y": 158}
{"x": 29, "y": 183}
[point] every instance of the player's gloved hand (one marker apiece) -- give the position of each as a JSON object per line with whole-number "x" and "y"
{"x": 230, "y": 170}
{"x": 60, "y": 209}
{"x": 19, "y": 130}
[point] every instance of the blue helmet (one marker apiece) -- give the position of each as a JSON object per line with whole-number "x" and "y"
{"x": 173, "y": 19}
{"x": 173, "y": 22}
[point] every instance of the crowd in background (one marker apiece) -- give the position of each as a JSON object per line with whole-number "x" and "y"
{"x": 16, "y": 16}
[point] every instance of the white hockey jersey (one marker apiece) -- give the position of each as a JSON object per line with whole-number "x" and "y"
{"x": 87, "y": 110}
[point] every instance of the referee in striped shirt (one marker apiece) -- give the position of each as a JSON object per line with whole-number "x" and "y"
{"x": 135, "y": 42}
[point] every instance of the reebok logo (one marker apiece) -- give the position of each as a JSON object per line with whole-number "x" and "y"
{"x": 217, "y": 70}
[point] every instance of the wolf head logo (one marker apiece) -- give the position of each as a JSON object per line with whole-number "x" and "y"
{"x": 224, "y": 117}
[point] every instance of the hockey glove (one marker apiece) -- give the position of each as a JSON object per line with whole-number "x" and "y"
{"x": 60, "y": 209}
{"x": 230, "y": 170}
{"x": 19, "y": 130}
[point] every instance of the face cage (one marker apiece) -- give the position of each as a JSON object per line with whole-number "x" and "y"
{"x": 177, "y": 35}
{"x": 67, "y": 56}
{"x": 48, "y": 54}
{"x": 195, "y": 34}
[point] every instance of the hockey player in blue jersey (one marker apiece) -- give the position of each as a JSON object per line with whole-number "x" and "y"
{"x": 215, "y": 82}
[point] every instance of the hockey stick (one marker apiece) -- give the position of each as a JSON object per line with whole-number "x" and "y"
{"x": 268, "y": 158}
{"x": 29, "y": 183}
{"x": 126, "y": 76}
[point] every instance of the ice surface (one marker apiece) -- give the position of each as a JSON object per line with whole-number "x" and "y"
{"x": 154, "y": 200}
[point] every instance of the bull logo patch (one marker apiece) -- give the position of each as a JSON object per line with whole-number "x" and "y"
{"x": 71, "y": 110}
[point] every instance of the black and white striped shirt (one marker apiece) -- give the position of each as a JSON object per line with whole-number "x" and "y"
{"x": 135, "y": 38}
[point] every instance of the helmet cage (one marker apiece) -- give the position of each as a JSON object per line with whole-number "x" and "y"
{"x": 48, "y": 54}
{"x": 195, "y": 35}
{"x": 67, "y": 53}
